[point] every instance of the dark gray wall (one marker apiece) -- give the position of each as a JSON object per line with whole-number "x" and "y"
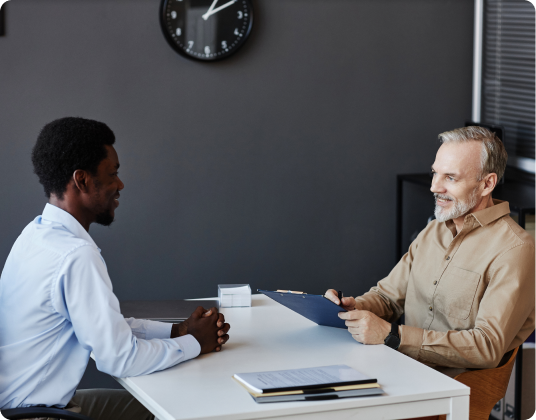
{"x": 276, "y": 167}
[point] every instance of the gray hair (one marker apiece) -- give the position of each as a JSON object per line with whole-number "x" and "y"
{"x": 493, "y": 157}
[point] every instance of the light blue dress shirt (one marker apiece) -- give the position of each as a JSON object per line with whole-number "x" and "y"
{"x": 57, "y": 306}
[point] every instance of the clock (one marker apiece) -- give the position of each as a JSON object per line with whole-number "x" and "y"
{"x": 206, "y": 30}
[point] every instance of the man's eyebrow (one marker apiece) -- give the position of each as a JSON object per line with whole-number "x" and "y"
{"x": 452, "y": 174}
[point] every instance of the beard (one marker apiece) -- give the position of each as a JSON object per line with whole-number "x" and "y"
{"x": 460, "y": 208}
{"x": 105, "y": 218}
{"x": 105, "y": 215}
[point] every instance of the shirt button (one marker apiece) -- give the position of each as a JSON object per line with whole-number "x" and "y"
{"x": 430, "y": 308}
{"x": 448, "y": 258}
{"x": 435, "y": 282}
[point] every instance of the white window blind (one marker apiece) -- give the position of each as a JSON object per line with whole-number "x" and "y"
{"x": 508, "y": 76}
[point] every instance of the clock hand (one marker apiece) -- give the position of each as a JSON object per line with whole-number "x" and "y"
{"x": 206, "y": 15}
{"x": 210, "y": 9}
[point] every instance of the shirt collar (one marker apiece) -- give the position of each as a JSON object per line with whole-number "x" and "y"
{"x": 490, "y": 214}
{"x": 55, "y": 214}
{"x": 485, "y": 216}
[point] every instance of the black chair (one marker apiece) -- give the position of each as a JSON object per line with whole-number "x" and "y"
{"x": 36, "y": 411}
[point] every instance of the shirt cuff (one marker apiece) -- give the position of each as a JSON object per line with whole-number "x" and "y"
{"x": 411, "y": 339}
{"x": 155, "y": 329}
{"x": 189, "y": 345}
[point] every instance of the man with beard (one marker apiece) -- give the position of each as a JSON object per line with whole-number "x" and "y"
{"x": 466, "y": 284}
{"x": 56, "y": 299}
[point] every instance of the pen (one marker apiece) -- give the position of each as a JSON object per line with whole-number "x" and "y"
{"x": 339, "y": 295}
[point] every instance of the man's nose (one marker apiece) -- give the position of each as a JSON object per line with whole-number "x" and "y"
{"x": 121, "y": 185}
{"x": 437, "y": 185}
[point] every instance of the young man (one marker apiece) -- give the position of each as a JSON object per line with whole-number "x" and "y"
{"x": 466, "y": 285}
{"x": 56, "y": 299}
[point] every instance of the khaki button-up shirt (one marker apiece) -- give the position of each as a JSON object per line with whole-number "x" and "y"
{"x": 467, "y": 298}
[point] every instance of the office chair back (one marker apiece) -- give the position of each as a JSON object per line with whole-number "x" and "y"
{"x": 488, "y": 386}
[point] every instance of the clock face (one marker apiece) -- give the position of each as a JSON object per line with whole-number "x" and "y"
{"x": 206, "y": 30}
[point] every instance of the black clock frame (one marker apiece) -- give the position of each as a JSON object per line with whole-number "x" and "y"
{"x": 3, "y": 19}
{"x": 172, "y": 43}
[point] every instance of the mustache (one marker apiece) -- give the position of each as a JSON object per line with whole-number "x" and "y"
{"x": 442, "y": 197}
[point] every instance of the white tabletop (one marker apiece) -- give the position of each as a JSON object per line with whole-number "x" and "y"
{"x": 269, "y": 336}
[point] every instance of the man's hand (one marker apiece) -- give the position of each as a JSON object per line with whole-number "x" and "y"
{"x": 208, "y": 327}
{"x": 366, "y": 327}
{"x": 178, "y": 330}
{"x": 348, "y": 303}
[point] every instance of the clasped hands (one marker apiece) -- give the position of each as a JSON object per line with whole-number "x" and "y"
{"x": 364, "y": 326}
{"x": 208, "y": 328}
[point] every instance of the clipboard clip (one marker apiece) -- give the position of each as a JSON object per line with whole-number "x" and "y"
{"x": 291, "y": 291}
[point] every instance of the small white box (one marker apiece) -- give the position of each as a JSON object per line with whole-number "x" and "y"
{"x": 234, "y": 295}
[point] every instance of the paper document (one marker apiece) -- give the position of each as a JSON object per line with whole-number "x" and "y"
{"x": 324, "y": 376}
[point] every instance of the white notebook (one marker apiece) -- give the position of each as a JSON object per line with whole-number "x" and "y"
{"x": 306, "y": 378}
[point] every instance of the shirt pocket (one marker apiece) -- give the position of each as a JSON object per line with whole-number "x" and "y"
{"x": 456, "y": 292}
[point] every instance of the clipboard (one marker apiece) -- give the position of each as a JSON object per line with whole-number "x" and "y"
{"x": 316, "y": 308}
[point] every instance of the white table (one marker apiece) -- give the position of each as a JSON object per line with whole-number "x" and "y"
{"x": 269, "y": 336}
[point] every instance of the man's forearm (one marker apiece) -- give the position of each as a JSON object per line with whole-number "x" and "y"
{"x": 455, "y": 349}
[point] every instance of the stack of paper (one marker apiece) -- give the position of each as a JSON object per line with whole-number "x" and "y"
{"x": 336, "y": 381}
{"x": 234, "y": 295}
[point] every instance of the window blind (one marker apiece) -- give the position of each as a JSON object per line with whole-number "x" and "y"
{"x": 508, "y": 76}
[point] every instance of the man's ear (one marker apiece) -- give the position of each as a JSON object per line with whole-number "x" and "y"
{"x": 490, "y": 180}
{"x": 82, "y": 180}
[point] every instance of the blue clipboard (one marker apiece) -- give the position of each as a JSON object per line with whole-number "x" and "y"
{"x": 317, "y": 308}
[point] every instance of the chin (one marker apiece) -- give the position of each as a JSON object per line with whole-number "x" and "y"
{"x": 105, "y": 219}
{"x": 442, "y": 215}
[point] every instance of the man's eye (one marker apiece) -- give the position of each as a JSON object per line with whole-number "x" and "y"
{"x": 450, "y": 178}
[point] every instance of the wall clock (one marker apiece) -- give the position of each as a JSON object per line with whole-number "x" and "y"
{"x": 206, "y": 30}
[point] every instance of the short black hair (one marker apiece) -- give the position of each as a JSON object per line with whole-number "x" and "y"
{"x": 68, "y": 144}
